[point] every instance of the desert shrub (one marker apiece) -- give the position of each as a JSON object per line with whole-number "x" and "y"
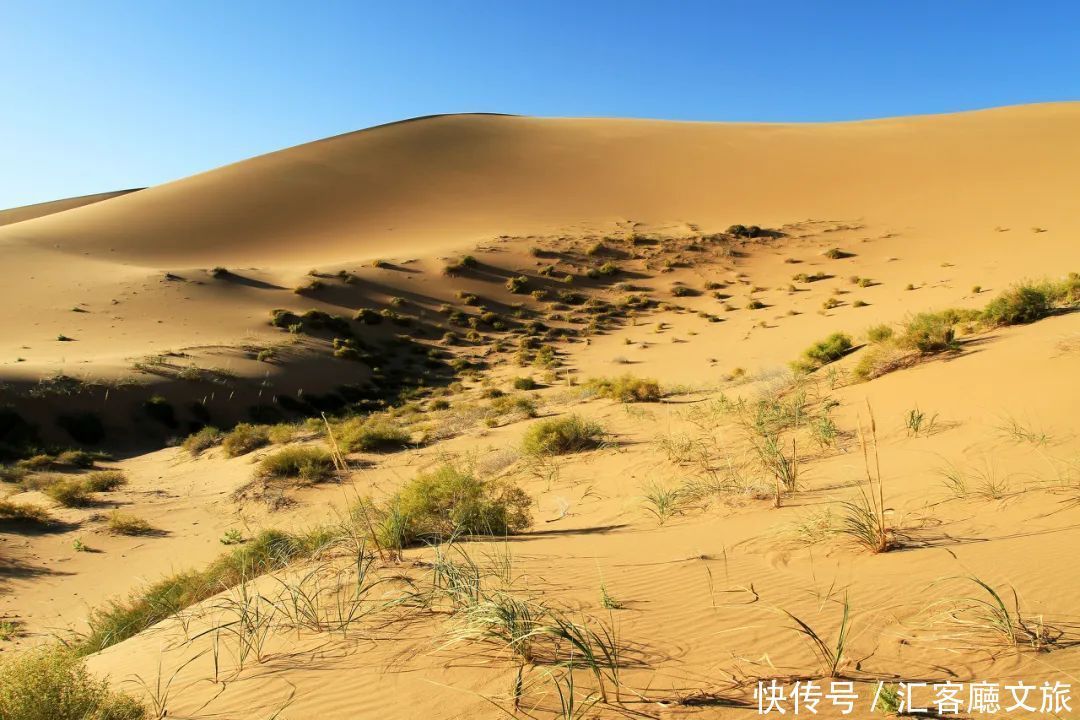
{"x": 517, "y": 284}
{"x": 371, "y": 435}
{"x": 51, "y": 683}
{"x": 103, "y": 480}
{"x": 282, "y": 433}
{"x": 205, "y": 439}
{"x": 755, "y": 305}
{"x": 879, "y": 333}
{"x": 440, "y": 404}
{"x": 447, "y": 502}
{"x": 311, "y": 464}
{"x": 929, "y": 333}
{"x": 121, "y": 523}
{"x": 560, "y": 436}
{"x": 513, "y": 405}
{"x": 1019, "y": 305}
{"x": 37, "y": 462}
{"x": 681, "y": 291}
{"x": 824, "y": 352}
{"x": 12, "y": 473}
{"x": 626, "y": 388}
{"x": 23, "y": 513}
{"x": 466, "y": 261}
{"x": 244, "y": 438}
{"x": 524, "y": 383}
{"x": 75, "y": 458}
{"x": 367, "y": 316}
{"x": 880, "y": 359}
{"x": 69, "y": 492}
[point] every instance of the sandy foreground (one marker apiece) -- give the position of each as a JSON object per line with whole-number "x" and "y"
{"x": 704, "y": 599}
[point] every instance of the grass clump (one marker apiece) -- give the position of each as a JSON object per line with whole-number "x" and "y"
{"x": 245, "y": 438}
{"x": 127, "y": 524}
{"x": 311, "y": 464}
{"x": 517, "y": 284}
{"x": 104, "y": 480}
{"x": 52, "y": 683}
{"x": 205, "y": 439}
{"x": 1020, "y": 305}
{"x": 448, "y": 502}
{"x": 524, "y": 383}
{"x": 560, "y": 436}
{"x": 75, "y": 458}
{"x": 267, "y": 551}
{"x": 626, "y": 388}
{"x": 13, "y": 512}
{"x": 823, "y": 352}
{"x": 69, "y": 492}
{"x": 372, "y": 435}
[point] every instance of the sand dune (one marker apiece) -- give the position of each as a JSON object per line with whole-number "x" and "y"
{"x": 591, "y": 254}
{"x": 431, "y": 183}
{"x": 29, "y": 212}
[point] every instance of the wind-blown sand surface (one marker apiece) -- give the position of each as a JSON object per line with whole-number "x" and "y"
{"x": 955, "y": 207}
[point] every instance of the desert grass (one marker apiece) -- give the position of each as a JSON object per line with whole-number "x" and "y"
{"x": 830, "y": 652}
{"x": 305, "y": 462}
{"x": 120, "y": 523}
{"x": 24, "y": 513}
{"x": 374, "y": 434}
{"x": 245, "y": 438}
{"x": 917, "y": 423}
{"x": 996, "y": 617}
{"x": 823, "y": 352}
{"x": 625, "y": 389}
{"x": 560, "y": 436}
{"x": 863, "y": 519}
{"x": 203, "y": 440}
{"x": 661, "y": 502}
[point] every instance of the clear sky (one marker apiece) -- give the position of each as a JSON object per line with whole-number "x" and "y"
{"x": 104, "y": 95}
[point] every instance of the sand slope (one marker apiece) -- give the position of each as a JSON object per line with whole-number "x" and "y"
{"x": 29, "y": 212}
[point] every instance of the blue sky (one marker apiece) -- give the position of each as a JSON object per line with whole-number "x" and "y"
{"x": 103, "y": 95}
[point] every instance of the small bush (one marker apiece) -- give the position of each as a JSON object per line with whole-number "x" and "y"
{"x": 448, "y": 502}
{"x": 517, "y": 284}
{"x": 103, "y": 480}
{"x": 244, "y": 438}
{"x": 524, "y": 383}
{"x": 69, "y": 492}
{"x": 37, "y": 462}
{"x": 929, "y": 333}
{"x": 127, "y": 524}
{"x": 1019, "y": 305}
{"x": 51, "y": 683}
{"x": 563, "y": 435}
{"x": 75, "y": 458}
{"x": 626, "y": 388}
{"x": 311, "y": 464}
{"x": 371, "y": 435}
{"x": 513, "y": 405}
{"x": 23, "y": 513}
{"x": 205, "y": 439}
{"x": 824, "y": 352}
{"x": 879, "y": 333}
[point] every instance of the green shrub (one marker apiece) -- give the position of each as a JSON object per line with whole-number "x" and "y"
{"x": 51, "y": 683}
{"x": 626, "y": 388}
{"x": 879, "y": 333}
{"x": 563, "y": 435}
{"x": 371, "y": 435}
{"x": 244, "y": 438}
{"x": 37, "y": 462}
{"x": 205, "y": 439}
{"x": 524, "y": 383}
{"x": 311, "y": 464}
{"x": 447, "y": 502}
{"x": 823, "y": 352}
{"x": 513, "y": 404}
{"x": 929, "y": 333}
{"x": 1019, "y": 305}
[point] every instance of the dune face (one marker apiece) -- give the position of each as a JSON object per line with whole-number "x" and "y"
{"x": 29, "y": 212}
{"x": 429, "y": 183}
{"x": 796, "y": 391}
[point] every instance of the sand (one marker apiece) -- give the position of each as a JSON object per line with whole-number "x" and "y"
{"x": 943, "y": 204}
